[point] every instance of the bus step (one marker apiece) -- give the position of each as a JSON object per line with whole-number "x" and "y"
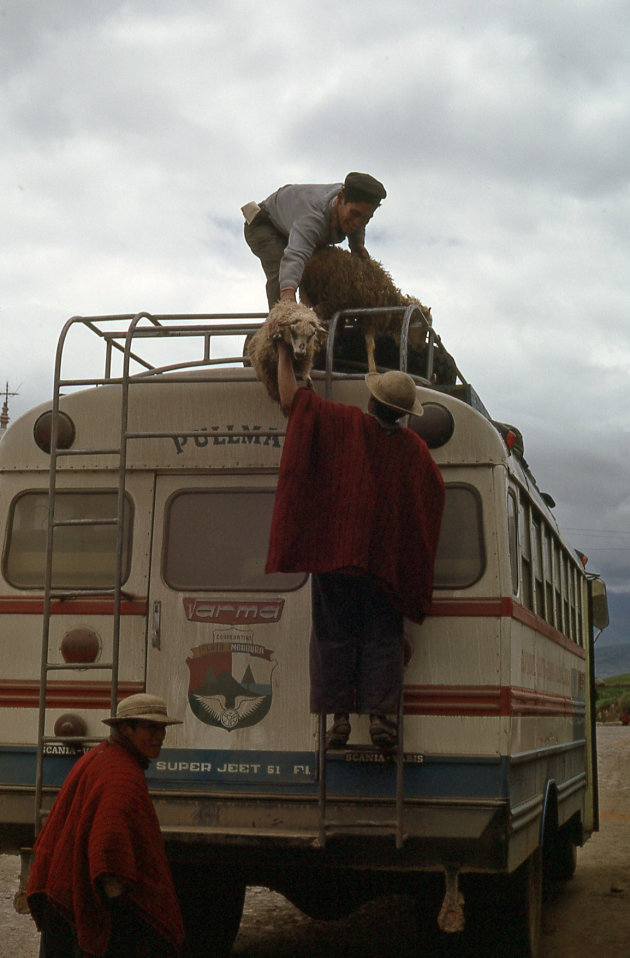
{"x": 395, "y": 828}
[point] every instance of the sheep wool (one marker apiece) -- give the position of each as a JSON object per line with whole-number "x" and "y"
{"x": 300, "y": 328}
{"x": 335, "y": 279}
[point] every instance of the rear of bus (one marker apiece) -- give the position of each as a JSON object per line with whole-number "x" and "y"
{"x": 237, "y": 785}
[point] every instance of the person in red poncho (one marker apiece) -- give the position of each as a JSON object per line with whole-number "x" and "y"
{"x": 358, "y": 505}
{"x": 100, "y": 884}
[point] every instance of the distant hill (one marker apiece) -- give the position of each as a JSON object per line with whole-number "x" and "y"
{"x": 612, "y": 660}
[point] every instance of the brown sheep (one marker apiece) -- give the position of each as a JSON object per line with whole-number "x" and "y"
{"x": 301, "y": 329}
{"x": 335, "y": 279}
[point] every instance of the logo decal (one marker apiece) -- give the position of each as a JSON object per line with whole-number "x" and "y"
{"x": 249, "y": 436}
{"x": 229, "y": 612}
{"x": 230, "y": 680}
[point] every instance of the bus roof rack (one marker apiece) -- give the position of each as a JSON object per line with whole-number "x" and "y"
{"x": 143, "y": 344}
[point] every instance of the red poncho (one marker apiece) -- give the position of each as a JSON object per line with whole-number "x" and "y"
{"x": 354, "y": 497}
{"x": 103, "y": 822}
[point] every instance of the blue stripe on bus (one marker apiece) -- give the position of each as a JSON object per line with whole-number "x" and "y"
{"x": 353, "y": 775}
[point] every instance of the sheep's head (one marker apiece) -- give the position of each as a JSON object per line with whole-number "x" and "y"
{"x": 300, "y": 328}
{"x": 307, "y": 337}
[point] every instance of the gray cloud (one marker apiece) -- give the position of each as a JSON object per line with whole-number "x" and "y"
{"x": 133, "y": 133}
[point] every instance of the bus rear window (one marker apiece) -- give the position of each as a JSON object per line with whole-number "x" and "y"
{"x": 83, "y": 556}
{"x": 218, "y": 541}
{"x": 460, "y": 558}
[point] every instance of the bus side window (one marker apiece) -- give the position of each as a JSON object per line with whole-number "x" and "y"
{"x": 512, "y": 519}
{"x": 83, "y": 556}
{"x": 551, "y": 614}
{"x": 557, "y": 584}
{"x": 526, "y": 561}
{"x": 568, "y": 573}
{"x": 538, "y": 567}
{"x": 461, "y": 558}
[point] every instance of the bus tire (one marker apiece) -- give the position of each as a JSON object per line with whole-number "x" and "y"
{"x": 212, "y": 906}
{"x": 525, "y": 906}
{"x": 560, "y": 856}
{"x": 326, "y": 900}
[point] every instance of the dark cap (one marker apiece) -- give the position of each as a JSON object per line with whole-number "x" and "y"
{"x": 363, "y": 188}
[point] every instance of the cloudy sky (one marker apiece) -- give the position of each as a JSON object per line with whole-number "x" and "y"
{"x": 132, "y": 133}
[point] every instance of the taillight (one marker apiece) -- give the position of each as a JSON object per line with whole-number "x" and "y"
{"x": 42, "y": 431}
{"x": 80, "y": 646}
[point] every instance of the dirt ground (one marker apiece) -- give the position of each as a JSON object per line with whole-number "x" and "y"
{"x": 589, "y": 915}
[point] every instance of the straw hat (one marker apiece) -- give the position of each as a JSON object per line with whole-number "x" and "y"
{"x": 396, "y": 390}
{"x": 148, "y": 708}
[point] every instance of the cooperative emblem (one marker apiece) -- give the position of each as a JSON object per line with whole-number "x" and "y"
{"x": 230, "y": 681}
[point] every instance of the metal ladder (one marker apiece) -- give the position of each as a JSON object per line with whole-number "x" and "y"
{"x": 328, "y": 826}
{"x": 121, "y": 341}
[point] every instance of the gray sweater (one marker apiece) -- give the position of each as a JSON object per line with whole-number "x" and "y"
{"x": 302, "y": 213}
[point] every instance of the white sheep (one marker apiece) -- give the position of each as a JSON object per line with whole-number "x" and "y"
{"x": 300, "y": 328}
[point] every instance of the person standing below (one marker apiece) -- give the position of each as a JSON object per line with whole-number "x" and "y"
{"x": 286, "y": 228}
{"x": 100, "y": 884}
{"x": 359, "y": 504}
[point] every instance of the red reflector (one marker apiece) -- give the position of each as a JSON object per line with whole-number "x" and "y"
{"x": 80, "y": 645}
{"x": 510, "y": 438}
{"x": 70, "y": 724}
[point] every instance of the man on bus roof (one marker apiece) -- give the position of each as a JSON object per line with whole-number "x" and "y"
{"x": 284, "y": 230}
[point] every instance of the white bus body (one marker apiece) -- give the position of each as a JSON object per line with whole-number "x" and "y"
{"x": 498, "y": 755}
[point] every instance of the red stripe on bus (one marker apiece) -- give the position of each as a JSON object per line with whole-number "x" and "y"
{"x": 101, "y": 605}
{"x": 419, "y": 699}
{"x": 455, "y": 700}
{"x": 487, "y": 606}
{"x": 505, "y": 608}
{"x": 484, "y": 701}
{"x": 21, "y": 694}
{"x": 534, "y": 702}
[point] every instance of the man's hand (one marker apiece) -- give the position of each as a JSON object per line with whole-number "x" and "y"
{"x": 112, "y": 886}
{"x": 288, "y": 293}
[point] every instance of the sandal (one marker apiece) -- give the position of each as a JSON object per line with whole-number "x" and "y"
{"x": 339, "y": 732}
{"x": 383, "y": 732}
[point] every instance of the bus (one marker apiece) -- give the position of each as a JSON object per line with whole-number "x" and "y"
{"x": 135, "y": 509}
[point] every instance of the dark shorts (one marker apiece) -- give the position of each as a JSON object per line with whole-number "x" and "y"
{"x": 356, "y": 652}
{"x": 268, "y": 244}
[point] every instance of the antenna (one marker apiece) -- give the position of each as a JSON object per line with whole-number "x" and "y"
{"x": 4, "y": 415}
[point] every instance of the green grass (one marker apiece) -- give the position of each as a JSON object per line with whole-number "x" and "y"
{"x": 612, "y": 690}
